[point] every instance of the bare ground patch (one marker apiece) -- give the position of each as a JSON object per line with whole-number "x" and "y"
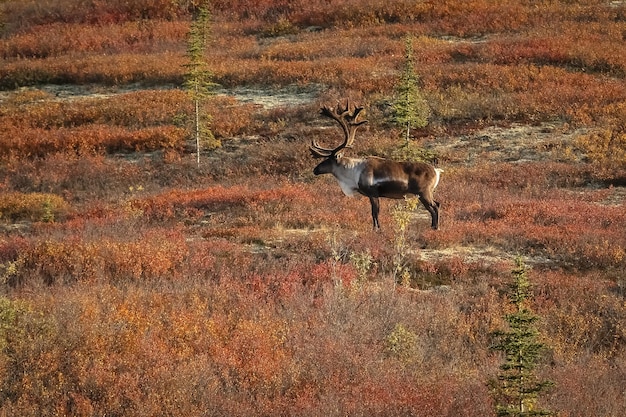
{"x": 270, "y": 98}
{"x": 487, "y": 255}
{"x": 515, "y": 143}
{"x": 267, "y": 97}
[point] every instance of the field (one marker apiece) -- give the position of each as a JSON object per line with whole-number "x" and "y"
{"x": 136, "y": 283}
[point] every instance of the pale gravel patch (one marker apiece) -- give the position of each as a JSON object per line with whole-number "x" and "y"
{"x": 487, "y": 255}
{"x": 266, "y": 97}
{"x": 617, "y": 197}
{"x": 270, "y": 98}
{"x": 71, "y": 92}
{"x": 516, "y": 143}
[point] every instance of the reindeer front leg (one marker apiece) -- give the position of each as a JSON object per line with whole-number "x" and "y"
{"x": 375, "y": 210}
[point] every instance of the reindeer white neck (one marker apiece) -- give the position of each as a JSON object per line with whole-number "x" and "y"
{"x": 347, "y": 171}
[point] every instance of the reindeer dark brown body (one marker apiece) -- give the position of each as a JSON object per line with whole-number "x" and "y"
{"x": 376, "y": 177}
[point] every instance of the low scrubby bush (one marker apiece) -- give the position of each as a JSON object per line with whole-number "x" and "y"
{"x": 41, "y": 207}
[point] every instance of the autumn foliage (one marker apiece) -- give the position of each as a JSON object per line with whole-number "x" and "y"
{"x": 135, "y": 283}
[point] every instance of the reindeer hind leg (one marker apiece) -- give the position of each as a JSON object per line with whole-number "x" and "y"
{"x": 433, "y": 208}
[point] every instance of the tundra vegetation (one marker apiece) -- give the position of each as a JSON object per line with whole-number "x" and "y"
{"x": 134, "y": 282}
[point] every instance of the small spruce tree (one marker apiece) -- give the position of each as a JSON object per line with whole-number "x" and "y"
{"x": 198, "y": 78}
{"x": 517, "y": 388}
{"x": 410, "y": 108}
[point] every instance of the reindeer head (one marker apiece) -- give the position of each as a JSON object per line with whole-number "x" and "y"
{"x": 347, "y": 119}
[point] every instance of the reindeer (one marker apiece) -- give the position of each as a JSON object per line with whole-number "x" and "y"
{"x": 372, "y": 176}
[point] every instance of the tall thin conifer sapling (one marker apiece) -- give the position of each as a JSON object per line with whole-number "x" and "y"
{"x": 198, "y": 78}
{"x": 410, "y": 108}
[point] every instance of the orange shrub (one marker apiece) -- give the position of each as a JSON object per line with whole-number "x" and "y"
{"x": 89, "y": 140}
{"x": 524, "y": 93}
{"x": 125, "y": 68}
{"x": 272, "y": 201}
{"x": 250, "y": 355}
{"x": 82, "y": 179}
{"x": 153, "y": 254}
{"x": 58, "y": 39}
{"x": 575, "y": 324}
{"x": 30, "y": 12}
{"x": 606, "y": 147}
{"x": 229, "y": 118}
{"x": 16, "y": 206}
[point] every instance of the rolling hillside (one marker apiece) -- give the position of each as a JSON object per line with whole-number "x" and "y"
{"x": 136, "y": 283}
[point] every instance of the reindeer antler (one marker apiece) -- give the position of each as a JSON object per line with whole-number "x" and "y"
{"x": 347, "y": 120}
